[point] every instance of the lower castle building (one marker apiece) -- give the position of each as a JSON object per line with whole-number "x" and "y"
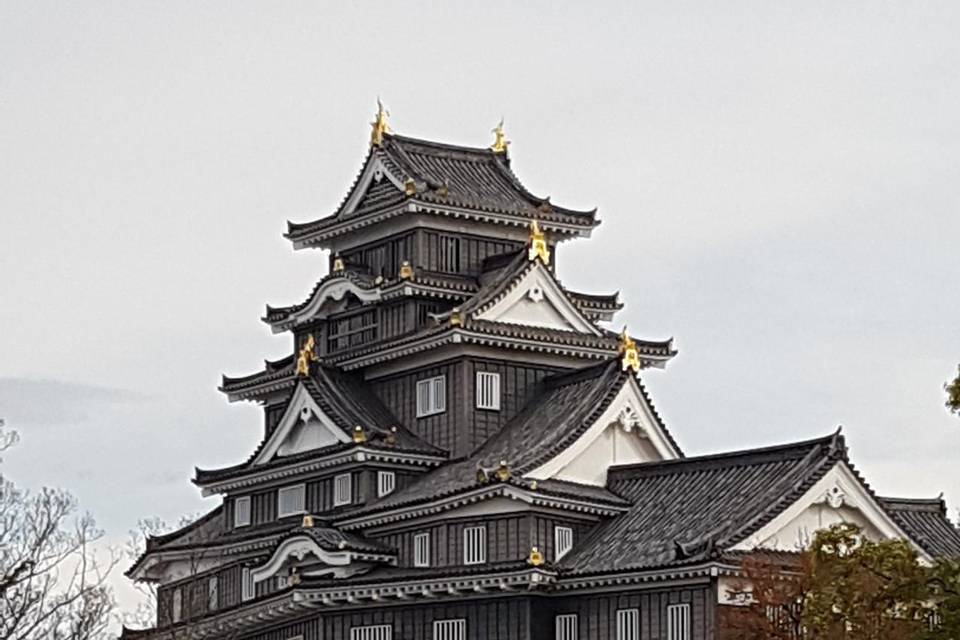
{"x": 457, "y": 447}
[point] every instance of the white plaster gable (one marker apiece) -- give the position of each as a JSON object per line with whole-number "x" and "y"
{"x": 303, "y": 427}
{"x": 538, "y": 301}
{"x": 839, "y": 496}
{"x": 626, "y": 433}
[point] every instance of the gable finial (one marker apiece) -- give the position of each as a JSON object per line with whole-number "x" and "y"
{"x": 306, "y": 356}
{"x": 629, "y": 356}
{"x": 379, "y": 125}
{"x": 359, "y": 436}
{"x": 500, "y": 142}
{"x": 538, "y": 244}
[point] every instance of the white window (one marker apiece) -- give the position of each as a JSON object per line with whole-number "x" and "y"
{"x": 450, "y": 629}
{"x": 475, "y": 545}
{"x": 562, "y": 541}
{"x": 628, "y": 624}
{"x": 678, "y": 622}
{"x": 372, "y": 632}
{"x": 342, "y": 489}
{"x": 290, "y": 500}
{"x": 280, "y": 582}
{"x": 247, "y": 591}
{"x": 241, "y": 511}
{"x": 431, "y": 396}
{"x": 421, "y": 550}
{"x": 566, "y": 627}
{"x": 177, "y": 605}
{"x": 213, "y": 593}
{"x": 488, "y": 390}
{"x": 386, "y": 482}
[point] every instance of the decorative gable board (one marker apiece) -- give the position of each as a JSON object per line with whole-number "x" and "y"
{"x": 303, "y": 427}
{"x": 536, "y": 300}
{"x": 626, "y": 433}
{"x": 334, "y": 290}
{"x": 839, "y": 496}
{"x": 375, "y": 172}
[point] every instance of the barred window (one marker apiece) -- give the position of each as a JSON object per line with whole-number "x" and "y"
{"x": 488, "y": 390}
{"x": 241, "y": 511}
{"x": 213, "y": 593}
{"x": 562, "y": 540}
{"x": 475, "y": 545}
{"x": 290, "y": 500}
{"x": 628, "y": 624}
{"x": 566, "y": 627}
{"x": 421, "y": 550}
{"x": 678, "y": 622}
{"x": 372, "y": 632}
{"x": 450, "y": 629}
{"x": 386, "y": 482}
{"x": 431, "y": 396}
{"x": 342, "y": 489}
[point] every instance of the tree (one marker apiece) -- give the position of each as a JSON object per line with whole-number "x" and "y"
{"x": 845, "y": 587}
{"x": 51, "y": 584}
{"x": 953, "y": 394}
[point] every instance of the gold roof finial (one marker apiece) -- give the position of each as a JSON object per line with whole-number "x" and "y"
{"x": 337, "y": 264}
{"x": 538, "y": 244}
{"x": 379, "y": 125}
{"x": 503, "y": 471}
{"x": 306, "y": 356}
{"x": 406, "y": 270}
{"x": 500, "y": 142}
{"x": 307, "y": 521}
{"x": 629, "y": 356}
{"x": 456, "y": 319}
{"x": 535, "y": 559}
{"x": 359, "y": 436}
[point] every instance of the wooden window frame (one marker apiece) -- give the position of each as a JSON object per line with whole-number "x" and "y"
{"x": 628, "y": 624}
{"x": 431, "y": 396}
{"x": 237, "y": 522}
{"x": 487, "y": 394}
{"x": 421, "y": 543}
{"x": 678, "y": 621}
{"x": 339, "y": 481}
{"x": 302, "y": 488}
{"x": 564, "y": 533}
{"x": 566, "y": 626}
{"x": 386, "y": 483}
{"x": 475, "y": 550}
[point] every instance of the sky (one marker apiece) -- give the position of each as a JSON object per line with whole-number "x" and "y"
{"x": 778, "y": 185}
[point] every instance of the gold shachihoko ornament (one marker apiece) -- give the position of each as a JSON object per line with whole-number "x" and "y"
{"x": 538, "y": 244}
{"x": 379, "y": 125}
{"x": 629, "y": 356}
{"x": 500, "y": 142}
{"x": 306, "y": 356}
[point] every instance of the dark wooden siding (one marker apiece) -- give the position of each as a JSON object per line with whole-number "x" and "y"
{"x": 459, "y": 253}
{"x": 508, "y": 539}
{"x": 385, "y": 257}
{"x": 506, "y": 619}
{"x": 518, "y": 385}
{"x": 399, "y": 394}
{"x": 272, "y": 414}
{"x": 597, "y": 614}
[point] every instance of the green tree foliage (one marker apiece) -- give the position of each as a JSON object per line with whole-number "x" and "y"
{"x": 845, "y": 587}
{"x": 953, "y": 394}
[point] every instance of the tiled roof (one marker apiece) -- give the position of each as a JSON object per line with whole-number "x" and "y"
{"x": 926, "y": 522}
{"x": 688, "y": 510}
{"x": 449, "y": 175}
{"x": 554, "y": 419}
{"x": 346, "y": 400}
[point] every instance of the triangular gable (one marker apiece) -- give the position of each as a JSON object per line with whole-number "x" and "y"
{"x": 303, "y": 427}
{"x": 839, "y": 496}
{"x": 537, "y": 300}
{"x": 374, "y": 172}
{"x": 628, "y": 432}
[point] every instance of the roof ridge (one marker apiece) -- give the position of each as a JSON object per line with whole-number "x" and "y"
{"x": 798, "y": 450}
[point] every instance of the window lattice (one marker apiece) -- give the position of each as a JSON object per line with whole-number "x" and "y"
{"x": 342, "y": 489}
{"x": 628, "y": 624}
{"x": 431, "y": 396}
{"x": 290, "y": 500}
{"x": 488, "y": 390}
{"x": 678, "y": 622}
{"x": 450, "y": 629}
{"x": 475, "y": 545}
{"x": 562, "y": 540}
{"x": 566, "y": 627}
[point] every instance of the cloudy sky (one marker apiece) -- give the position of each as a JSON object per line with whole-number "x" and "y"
{"x": 778, "y": 183}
